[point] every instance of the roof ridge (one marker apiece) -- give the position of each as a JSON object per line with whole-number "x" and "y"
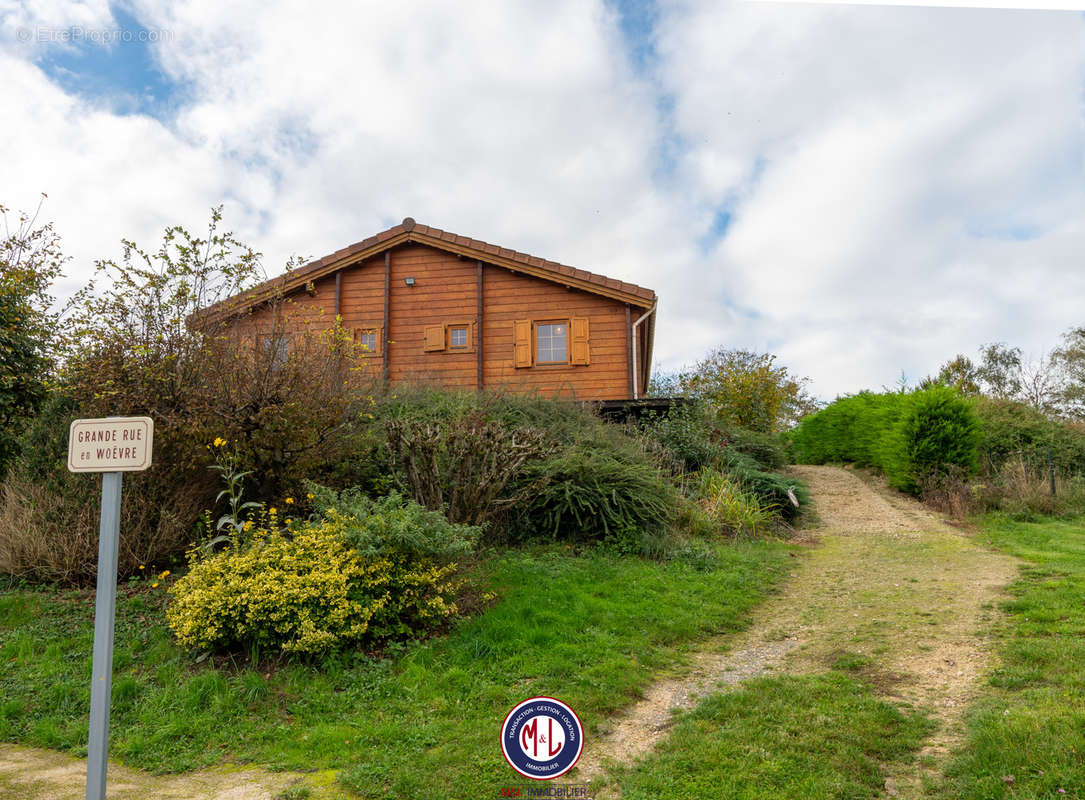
{"x": 411, "y": 228}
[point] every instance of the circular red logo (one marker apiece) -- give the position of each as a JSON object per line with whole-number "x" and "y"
{"x": 542, "y": 738}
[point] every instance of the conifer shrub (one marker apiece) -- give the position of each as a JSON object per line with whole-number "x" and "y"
{"x": 771, "y": 490}
{"x": 850, "y": 429}
{"x": 937, "y": 431}
{"x": 908, "y": 436}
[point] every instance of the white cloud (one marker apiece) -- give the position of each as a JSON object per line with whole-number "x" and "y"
{"x": 888, "y": 141}
{"x": 904, "y": 183}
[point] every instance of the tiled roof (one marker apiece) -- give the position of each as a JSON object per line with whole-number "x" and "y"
{"x": 410, "y": 231}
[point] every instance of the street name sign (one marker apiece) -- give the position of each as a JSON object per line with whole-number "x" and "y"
{"x": 112, "y": 446}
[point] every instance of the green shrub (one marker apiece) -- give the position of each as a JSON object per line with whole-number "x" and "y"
{"x": 561, "y": 423}
{"x": 691, "y": 437}
{"x": 735, "y": 510}
{"x": 1012, "y": 431}
{"x": 765, "y": 448}
{"x": 772, "y": 490}
{"x": 589, "y": 495}
{"x": 510, "y": 460}
{"x": 368, "y": 571}
{"x": 848, "y": 430}
{"x": 909, "y": 436}
{"x": 938, "y": 430}
{"x": 683, "y": 435}
{"x": 393, "y": 524}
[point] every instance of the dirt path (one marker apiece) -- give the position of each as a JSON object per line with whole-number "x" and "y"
{"x": 30, "y": 774}
{"x": 888, "y": 586}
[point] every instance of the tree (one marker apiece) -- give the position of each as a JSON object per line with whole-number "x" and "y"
{"x": 1000, "y": 370}
{"x": 1004, "y": 374}
{"x": 1042, "y": 383}
{"x": 1069, "y": 360}
{"x": 960, "y": 373}
{"x": 30, "y": 261}
{"x": 279, "y": 392}
{"x": 748, "y": 389}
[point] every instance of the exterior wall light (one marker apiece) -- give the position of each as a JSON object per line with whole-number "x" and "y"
{"x": 409, "y": 281}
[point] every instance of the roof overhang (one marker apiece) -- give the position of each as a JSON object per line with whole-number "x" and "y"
{"x": 410, "y": 232}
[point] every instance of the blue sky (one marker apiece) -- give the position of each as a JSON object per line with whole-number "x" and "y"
{"x": 864, "y": 190}
{"x": 122, "y": 75}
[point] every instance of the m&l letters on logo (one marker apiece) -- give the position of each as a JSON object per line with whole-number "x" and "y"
{"x": 542, "y": 738}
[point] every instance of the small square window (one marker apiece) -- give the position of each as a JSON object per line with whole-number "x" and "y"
{"x": 277, "y": 348}
{"x": 457, "y": 337}
{"x": 367, "y": 340}
{"x": 551, "y": 343}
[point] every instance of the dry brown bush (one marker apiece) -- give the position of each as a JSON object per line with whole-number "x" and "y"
{"x": 464, "y": 466}
{"x": 1016, "y": 488}
{"x": 956, "y": 494}
{"x": 50, "y": 535}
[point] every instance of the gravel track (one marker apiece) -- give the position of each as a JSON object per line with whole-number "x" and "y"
{"x": 885, "y": 579}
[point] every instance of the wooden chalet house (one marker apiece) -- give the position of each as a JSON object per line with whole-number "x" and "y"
{"x": 430, "y": 305}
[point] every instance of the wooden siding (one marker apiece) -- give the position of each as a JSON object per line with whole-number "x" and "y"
{"x": 514, "y": 296}
{"x": 445, "y": 291}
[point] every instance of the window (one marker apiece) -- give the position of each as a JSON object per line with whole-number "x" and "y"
{"x": 277, "y": 349}
{"x": 457, "y": 337}
{"x": 450, "y": 336}
{"x": 550, "y": 343}
{"x": 368, "y": 341}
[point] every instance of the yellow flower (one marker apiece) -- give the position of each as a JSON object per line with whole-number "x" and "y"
{"x": 289, "y": 501}
{"x": 154, "y": 585}
{"x": 219, "y": 441}
{"x": 141, "y": 566}
{"x": 272, "y": 510}
{"x": 247, "y": 526}
{"x": 309, "y": 496}
{"x": 162, "y": 575}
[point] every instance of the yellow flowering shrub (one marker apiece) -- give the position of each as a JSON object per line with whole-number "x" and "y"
{"x": 306, "y": 591}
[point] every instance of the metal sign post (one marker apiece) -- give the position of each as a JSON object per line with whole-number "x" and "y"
{"x": 105, "y": 607}
{"x": 111, "y": 446}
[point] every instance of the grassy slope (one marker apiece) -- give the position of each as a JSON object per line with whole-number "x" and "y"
{"x": 590, "y": 630}
{"x": 1027, "y": 738}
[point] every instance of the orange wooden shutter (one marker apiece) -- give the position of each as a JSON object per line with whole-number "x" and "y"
{"x": 435, "y": 338}
{"x": 522, "y": 350}
{"x": 580, "y": 351}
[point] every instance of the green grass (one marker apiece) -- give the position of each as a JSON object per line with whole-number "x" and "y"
{"x": 422, "y": 721}
{"x": 1026, "y": 738}
{"x": 817, "y": 736}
